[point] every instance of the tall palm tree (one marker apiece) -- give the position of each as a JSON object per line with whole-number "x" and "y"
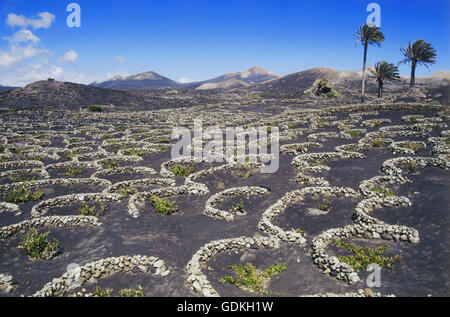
{"x": 384, "y": 71}
{"x": 368, "y": 35}
{"x": 418, "y": 53}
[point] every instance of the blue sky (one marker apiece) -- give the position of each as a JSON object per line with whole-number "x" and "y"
{"x": 199, "y": 39}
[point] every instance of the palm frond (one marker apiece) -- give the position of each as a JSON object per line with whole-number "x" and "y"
{"x": 419, "y": 52}
{"x": 369, "y": 34}
{"x": 384, "y": 71}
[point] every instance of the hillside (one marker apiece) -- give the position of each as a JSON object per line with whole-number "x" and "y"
{"x": 66, "y": 95}
{"x": 148, "y": 80}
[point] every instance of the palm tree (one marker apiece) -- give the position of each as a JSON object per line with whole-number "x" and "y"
{"x": 368, "y": 35}
{"x": 419, "y": 53}
{"x": 383, "y": 71}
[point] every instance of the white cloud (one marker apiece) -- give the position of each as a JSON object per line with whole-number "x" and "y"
{"x": 120, "y": 59}
{"x": 17, "y": 54}
{"x": 186, "y": 80}
{"x": 69, "y": 57}
{"x": 44, "y": 21}
{"x": 23, "y": 75}
{"x": 117, "y": 74}
{"x": 23, "y": 36}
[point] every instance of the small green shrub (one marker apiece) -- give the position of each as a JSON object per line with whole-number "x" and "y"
{"x": 382, "y": 190}
{"x": 353, "y": 134}
{"x": 129, "y": 292}
{"x": 299, "y": 231}
{"x": 23, "y": 195}
{"x": 128, "y": 191}
{"x": 2, "y": 148}
{"x": 95, "y": 108}
{"x": 243, "y": 174}
{"x": 324, "y": 206}
{"x": 17, "y": 179}
{"x": 85, "y": 210}
{"x": 137, "y": 152}
{"x": 238, "y": 208}
{"x": 333, "y": 93}
{"x": 248, "y": 277}
{"x": 376, "y": 123}
{"x": 70, "y": 156}
{"x": 162, "y": 206}
{"x": 109, "y": 164}
{"x": 363, "y": 256}
{"x": 102, "y": 292}
{"x": 181, "y": 170}
{"x": 414, "y": 119}
{"x": 316, "y": 163}
{"x": 71, "y": 172}
{"x": 38, "y": 247}
{"x": 413, "y": 146}
{"x": 377, "y": 143}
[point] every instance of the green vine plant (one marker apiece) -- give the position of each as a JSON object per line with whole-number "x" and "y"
{"x": 363, "y": 256}
{"x": 251, "y": 279}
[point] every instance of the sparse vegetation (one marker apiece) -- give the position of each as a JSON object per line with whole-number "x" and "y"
{"x": 23, "y": 195}
{"x": 382, "y": 190}
{"x": 71, "y": 172}
{"x": 363, "y": 256}
{"x": 299, "y": 231}
{"x": 102, "y": 292}
{"x": 95, "y": 108}
{"x": 325, "y": 206}
{"x": 38, "y": 247}
{"x": 238, "y": 208}
{"x": 130, "y": 292}
{"x": 353, "y": 133}
{"x": 17, "y": 179}
{"x": 377, "y": 143}
{"x": 220, "y": 185}
{"x": 251, "y": 279}
{"x": 413, "y": 146}
{"x": 316, "y": 163}
{"x": 109, "y": 164}
{"x": 86, "y": 210}
{"x": 69, "y": 156}
{"x": 128, "y": 191}
{"x": 245, "y": 174}
{"x": 136, "y": 152}
{"x": 376, "y": 123}
{"x": 163, "y": 206}
{"x": 333, "y": 93}
{"x": 181, "y": 170}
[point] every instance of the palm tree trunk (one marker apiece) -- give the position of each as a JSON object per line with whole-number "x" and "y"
{"x": 413, "y": 75}
{"x": 380, "y": 89}
{"x": 366, "y": 44}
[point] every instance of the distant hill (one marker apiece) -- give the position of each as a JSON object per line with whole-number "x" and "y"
{"x": 248, "y": 77}
{"x": 300, "y": 81}
{"x": 6, "y": 88}
{"x": 66, "y": 95}
{"x": 438, "y": 77}
{"x": 253, "y": 75}
{"x": 148, "y": 80}
{"x": 226, "y": 84}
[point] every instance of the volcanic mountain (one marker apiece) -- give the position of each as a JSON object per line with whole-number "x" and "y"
{"x": 148, "y": 80}
{"x": 66, "y": 95}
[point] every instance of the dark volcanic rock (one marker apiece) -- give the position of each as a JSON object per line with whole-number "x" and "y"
{"x": 66, "y": 95}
